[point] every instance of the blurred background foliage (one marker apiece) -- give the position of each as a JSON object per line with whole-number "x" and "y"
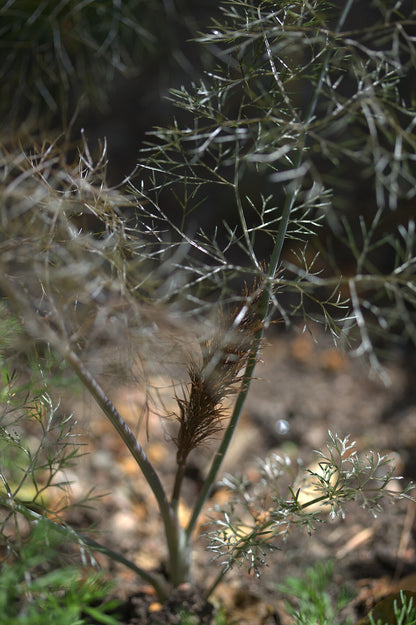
{"x": 105, "y": 65}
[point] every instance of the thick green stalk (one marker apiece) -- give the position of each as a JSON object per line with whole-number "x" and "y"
{"x": 178, "y": 555}
{"x": 265, "y": 299}
{"x": 180, "y": 474}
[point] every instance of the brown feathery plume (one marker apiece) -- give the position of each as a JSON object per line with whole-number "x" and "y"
{"x": 201, "y": 410}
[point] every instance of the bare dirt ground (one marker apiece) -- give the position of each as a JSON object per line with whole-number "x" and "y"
{"x": 302, "y": 389}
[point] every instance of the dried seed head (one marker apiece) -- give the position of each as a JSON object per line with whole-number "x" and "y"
{"x": 201, "y": 410}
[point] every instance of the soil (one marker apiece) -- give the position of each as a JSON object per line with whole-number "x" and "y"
{"x": 302, "y": 389}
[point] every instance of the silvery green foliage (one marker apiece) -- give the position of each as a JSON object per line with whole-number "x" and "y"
{"x": 309, "y": 114}
{"x": 261, "y": 514}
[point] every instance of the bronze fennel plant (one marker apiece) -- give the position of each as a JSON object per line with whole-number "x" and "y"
{"x": 273, "y": 110}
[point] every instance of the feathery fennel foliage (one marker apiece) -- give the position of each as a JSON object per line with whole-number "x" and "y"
{"x": 260, "y": 515}
{"x": 302, "y": 108}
